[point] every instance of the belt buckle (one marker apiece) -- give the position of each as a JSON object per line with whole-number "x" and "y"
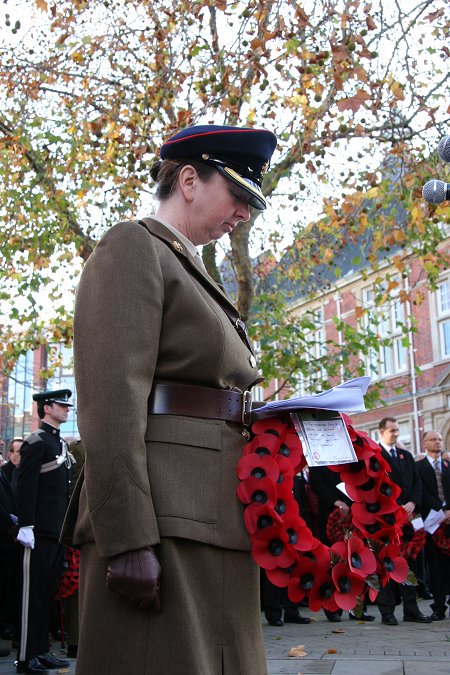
{"x": 246, "y": 407}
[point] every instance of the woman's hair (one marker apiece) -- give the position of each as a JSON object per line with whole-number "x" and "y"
{"x": 165, "y": 174}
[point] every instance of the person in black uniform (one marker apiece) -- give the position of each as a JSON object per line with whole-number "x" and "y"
{"x": 43, "y": 485}
{"x": 403, "y": 473}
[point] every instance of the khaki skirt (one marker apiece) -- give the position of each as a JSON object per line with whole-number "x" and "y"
{"x": 210, "y": 623}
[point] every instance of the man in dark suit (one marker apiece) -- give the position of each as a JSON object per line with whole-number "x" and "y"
{"x": 43, "y": 484}
{"x": 403, "y": 473}
{"x": 434, "y": 472}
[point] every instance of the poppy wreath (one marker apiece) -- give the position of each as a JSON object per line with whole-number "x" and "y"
{"x": 283, "y": 545}
{"x": 442, "y": 538}
{"x": 338, "y": 525}
{"x": 412, "y": 541}
{"x": 69, "y": 581}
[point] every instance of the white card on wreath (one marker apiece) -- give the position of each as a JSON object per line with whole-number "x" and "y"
{"x": 324, "y": 437}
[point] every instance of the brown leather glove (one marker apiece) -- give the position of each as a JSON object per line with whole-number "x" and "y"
{"x": 134, "y": 576}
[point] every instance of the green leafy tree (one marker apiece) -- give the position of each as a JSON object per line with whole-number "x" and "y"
{"x": 91, "y": 88}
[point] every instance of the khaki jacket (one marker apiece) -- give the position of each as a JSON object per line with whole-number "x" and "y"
{"x": 141, "y": 316}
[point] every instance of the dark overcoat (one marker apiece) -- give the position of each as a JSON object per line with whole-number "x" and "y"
{"x": 142, "y": 316}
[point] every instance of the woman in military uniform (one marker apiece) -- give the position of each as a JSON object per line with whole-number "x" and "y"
{"x": 164, "y": 372}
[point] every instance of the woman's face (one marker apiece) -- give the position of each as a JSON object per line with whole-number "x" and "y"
{"x": 218, "y": 206}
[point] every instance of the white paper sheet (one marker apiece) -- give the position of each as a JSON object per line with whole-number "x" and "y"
{"x": 433, "y": 520}
{"x": 345, "y": 397}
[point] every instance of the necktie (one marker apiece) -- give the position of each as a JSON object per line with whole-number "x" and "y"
{"x": 438, "y": 473}
{"x": 393, "y": 452}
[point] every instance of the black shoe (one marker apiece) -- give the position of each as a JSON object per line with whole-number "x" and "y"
{"x": 417, "y": 618}
{"x": 437, "y": 616}
{"x": 334, "y": 617}
{"x": 364, "y": 617}
{"x": 72, "y": 651}
{"x": 50, "y": 661}
{"x": 276, "y": 622}
{"x": 425, "y": 594}
{"x": 30, "y": 666}
{"x": 389, "y": 620}
{"x": 296, "y": 619}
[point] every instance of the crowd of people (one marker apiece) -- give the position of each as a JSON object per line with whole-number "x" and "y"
{"x": 424, "y": 481}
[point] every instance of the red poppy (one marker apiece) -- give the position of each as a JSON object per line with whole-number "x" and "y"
{"x": 377, "y": 465}
{"x": 319, "y": 554}
{"x": 257, "y": 490}
{"x": 394, "y": 565}
{"x": 361, "y": 560}
{"x": 263, "y": 444}
{"x": 322, "y": 594}
{"x": 291, "y": 448}
{"x": 300, "y": 536}
{"x": 257, "y": 516}
{"x": 280, "y": 576}
{"x": 259, "y": 466}
{"x": 286, "y": 473}
{"x": 348, "y": 586}
{"x": 271, "y": 548}
{"x": 302, "y": 580}
{"x": 364, "y": 511}
{"x": 270, "y": 425}
{"x": 354, "y": 473}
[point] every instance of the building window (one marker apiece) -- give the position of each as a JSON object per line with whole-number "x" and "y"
{"x": 314, "y": 350}
{"x": 443, "y": 313}
{"x": 20, "y": 390}
{"x": 388, "y": 321}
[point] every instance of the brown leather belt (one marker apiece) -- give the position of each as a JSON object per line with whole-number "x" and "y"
{"x": 195, "y": 401}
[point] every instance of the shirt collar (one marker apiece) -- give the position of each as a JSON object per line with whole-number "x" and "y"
{"x": 193, "y": 250}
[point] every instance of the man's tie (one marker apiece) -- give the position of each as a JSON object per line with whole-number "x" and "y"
{"x": 393, "y": 452}
{"x": 438, "y": 473}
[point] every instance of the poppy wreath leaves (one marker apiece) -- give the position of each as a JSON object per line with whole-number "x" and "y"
{"x": 366, "y": 551}
{"x": 442, "y": 538}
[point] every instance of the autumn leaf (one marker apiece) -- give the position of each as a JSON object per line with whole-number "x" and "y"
{"x": 355, "y": 102}
{"x": 370, "y": 23}
{"x": 397, "y": 91}
{"x": 298, "y": 651}
{"x": 42, "y": 5}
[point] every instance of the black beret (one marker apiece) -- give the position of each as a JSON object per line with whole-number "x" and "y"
{"x": 241, "y": 154}
{"x": 59, "y": 396}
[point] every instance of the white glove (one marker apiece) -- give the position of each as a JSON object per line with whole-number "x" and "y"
{"x": 25, "y": 536}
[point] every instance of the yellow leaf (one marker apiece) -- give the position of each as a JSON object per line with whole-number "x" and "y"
{"x": 42, "y": 5}
{"x": 397, "y": 91}
{"x": 77, "y": 57}
{"x": 328, "y": 255}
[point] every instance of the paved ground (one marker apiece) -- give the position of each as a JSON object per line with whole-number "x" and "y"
{"x": 345, "y": 648}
